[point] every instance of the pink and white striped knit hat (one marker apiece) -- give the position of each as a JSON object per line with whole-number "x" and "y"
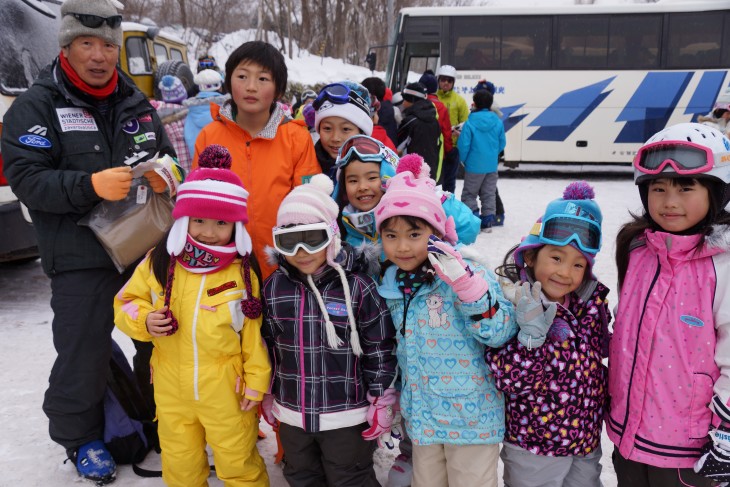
{"x": 211, "y": 191}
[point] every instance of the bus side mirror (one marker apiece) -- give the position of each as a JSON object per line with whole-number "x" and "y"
{"x": 371, "y": 59}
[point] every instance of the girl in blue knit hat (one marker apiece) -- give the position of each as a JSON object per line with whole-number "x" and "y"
{"x": 554, "y": 382}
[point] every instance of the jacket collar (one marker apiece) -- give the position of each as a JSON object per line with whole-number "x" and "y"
{"x": 277, "y": 117}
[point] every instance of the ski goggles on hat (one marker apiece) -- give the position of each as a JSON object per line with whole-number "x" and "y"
{"x": 366, "y": 149}
{"x": 339, "y": 94}
{"x": 686, "y": 158}
{"x": 562, "y": 230}
{"x": 96, "y": 21}
{"x": 312, "y": 238}
{"x": 206, "y": 63}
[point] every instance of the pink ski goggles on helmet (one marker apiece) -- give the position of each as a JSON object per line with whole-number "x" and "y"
{"x": 686, "y": 158}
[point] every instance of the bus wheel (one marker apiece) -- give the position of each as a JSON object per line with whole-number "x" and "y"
{"x": 179, "y": 69}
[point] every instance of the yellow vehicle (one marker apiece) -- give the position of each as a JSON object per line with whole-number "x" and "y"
{"x": 148, "y": 54}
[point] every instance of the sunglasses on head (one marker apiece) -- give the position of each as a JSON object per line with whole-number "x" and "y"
{"x": 95, "y": 21}
{"x": 339, "y": 94}
{"x": 312, "y": 238}
{"x": 561, "y": 230}
{"x": 686, "y": 158}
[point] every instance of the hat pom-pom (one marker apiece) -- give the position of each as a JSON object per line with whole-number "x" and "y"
{"x": 323, "y": 183}
{"x": 216, "y": 157}
{"x": 415, "y": 164}
{"x": 579, "y": 190}
{"x": 251, "y": 307}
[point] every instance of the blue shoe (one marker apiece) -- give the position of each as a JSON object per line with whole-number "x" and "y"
{"x": 94, "y": 462}
{"x": 499, "y": 220}
{"x": 487, "y": 223}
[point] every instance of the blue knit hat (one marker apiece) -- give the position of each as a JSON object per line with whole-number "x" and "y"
{"x": 429, "y": 81}
{"x": 576, "y": 210}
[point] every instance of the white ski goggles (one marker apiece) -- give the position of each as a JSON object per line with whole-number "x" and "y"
{"x": 311, "y": 237}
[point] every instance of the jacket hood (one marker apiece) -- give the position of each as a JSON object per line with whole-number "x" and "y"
{"x": 719, "y": 238}
{"x": 363, "y": 259}
{"x": 484, "y": 120}
{"x": 422, "y": 110}
{"x": 684, "y": 247}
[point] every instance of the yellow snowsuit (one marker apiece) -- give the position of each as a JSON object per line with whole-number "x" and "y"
{"x": 196, "y": 369}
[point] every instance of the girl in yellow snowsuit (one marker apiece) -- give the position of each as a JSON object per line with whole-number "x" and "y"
{"x": 197, "y": 301}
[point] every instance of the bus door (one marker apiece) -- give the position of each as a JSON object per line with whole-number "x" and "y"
{"x": 418, "y": 48}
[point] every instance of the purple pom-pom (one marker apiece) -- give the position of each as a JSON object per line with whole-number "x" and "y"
{"x": 415, "y": 164}
{"x": 251, "y": 307}
{"x": 215, "y": 156}
{"x": 309, "y": 115}
{"x": 579, "y": 190}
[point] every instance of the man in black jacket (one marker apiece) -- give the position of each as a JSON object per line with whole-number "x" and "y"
{"x": 68, "y": 143}
{"x": 420, "y": 132}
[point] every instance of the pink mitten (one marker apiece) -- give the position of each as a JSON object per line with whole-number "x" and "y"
{"x": 380, "y": 415}
{"x": 452, "y": 269}
{"x": 266, "y": 412}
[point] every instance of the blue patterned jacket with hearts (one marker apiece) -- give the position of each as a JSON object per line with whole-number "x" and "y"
{"x": 448, "y": 392}
{"x": 556, "y": 393}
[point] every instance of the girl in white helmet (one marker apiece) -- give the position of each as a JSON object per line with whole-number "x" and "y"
{"x": 669, "y": 359}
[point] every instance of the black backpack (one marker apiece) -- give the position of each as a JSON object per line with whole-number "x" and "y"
{"x": 129, "y": 428}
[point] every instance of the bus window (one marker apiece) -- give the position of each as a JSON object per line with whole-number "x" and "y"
{"x": 160, "y": 53}
{"x": 176, "y": 55}
{"x": 475, "y": 43}
{"x": 726, "y": 42}
{"x": 582, "y": 42}
{"x": 634, "y": 42}
{"x": 138, "y": 59}
{"x": 526, "y": 43}
{"x": 694, "y": 40}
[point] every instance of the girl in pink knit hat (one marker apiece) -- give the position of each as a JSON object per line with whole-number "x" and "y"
{"x": 446, "y": 311}
{"x": 197, "y": 299}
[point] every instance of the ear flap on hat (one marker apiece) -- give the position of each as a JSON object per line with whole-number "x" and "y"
{"x": 243, "y": 240}
{"x": 178, "y": 236}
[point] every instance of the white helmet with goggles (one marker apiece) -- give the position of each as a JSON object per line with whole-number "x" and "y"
{"x": 447, "y": 71}
{"x": 688, "y": 150}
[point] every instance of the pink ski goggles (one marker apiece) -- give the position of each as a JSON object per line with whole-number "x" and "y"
{"x": 686, "y": 158}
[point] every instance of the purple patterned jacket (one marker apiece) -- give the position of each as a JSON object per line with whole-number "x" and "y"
{"x": 555, "y": 395}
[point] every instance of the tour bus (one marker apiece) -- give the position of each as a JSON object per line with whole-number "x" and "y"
{"x": 575, "y": 83}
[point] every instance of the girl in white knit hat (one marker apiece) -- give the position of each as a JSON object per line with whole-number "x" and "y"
{"x": 331, "y": 343}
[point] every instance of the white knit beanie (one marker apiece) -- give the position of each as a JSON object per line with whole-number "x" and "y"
{"x": 208, "y": 80}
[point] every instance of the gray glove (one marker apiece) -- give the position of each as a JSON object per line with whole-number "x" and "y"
{"x": 532, "y": 318}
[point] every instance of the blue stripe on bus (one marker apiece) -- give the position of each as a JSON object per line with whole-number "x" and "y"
{"x": 561, "y": 118}
{"x": 508, "y": 120}
{"x": 651, "y": 105}
{"x": 703, "y": 99}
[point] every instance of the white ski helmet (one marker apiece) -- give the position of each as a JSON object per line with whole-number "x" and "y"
{"x": 679, "y": 144}
{"x": 446, "y": 70}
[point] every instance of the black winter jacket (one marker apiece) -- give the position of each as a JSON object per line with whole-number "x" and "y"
{"x": 53, "y": 139}
{"x": 421, "y": 133}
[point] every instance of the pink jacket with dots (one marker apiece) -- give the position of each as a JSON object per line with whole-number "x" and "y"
{"x": 671, "y": 348}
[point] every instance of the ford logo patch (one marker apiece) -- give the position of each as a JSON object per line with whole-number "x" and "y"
{"x": 35, "y": 141}
{"x": 336, "y": 309}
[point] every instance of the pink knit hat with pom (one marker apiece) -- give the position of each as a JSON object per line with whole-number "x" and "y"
{"x": 411, "y": 192}
{"x": 212, "y": 191}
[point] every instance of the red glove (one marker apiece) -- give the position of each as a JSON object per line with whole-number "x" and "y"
{"x": 380, "y": 415}
{"x": 156, "y": 181}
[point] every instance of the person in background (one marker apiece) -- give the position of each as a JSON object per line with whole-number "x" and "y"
{"x": 209, "y": 83}
{"x": 271, "y": 152}
{"x": 458, "y": 113}
{"x": 419, "y": 132}
{"x": 481, "y": 140}
{"x": 429, "y": 81}
{"x": 331, "y": 340}
{"x": 342, "y": 110}
{"x": 386, "y": 115}
{"x": 174, "y": 115}
{"x": 718, "y": 117}
{"x": 378, "y": 131}
{"x": 307, "y": 98}
{"x": 397, "y": 101}
{"x": 489, "y": 86}
{"x": 210, "y": 364}
{"x": 552, "y": 374}
{"x": 92, "y": 118}
{"x": 669, "y": 358}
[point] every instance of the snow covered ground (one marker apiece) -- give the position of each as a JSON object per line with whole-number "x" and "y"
{"x": 29, "y": 458}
